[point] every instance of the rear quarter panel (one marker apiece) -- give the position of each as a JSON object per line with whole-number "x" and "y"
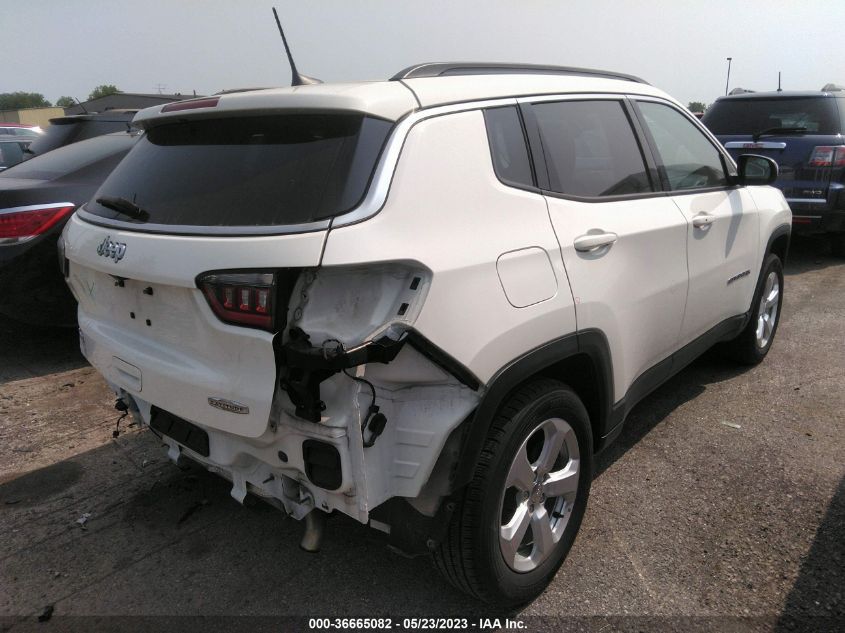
{"x": 448, "y": 211}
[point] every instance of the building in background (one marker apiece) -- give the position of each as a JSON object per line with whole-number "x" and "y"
{"x": 30, "y": 116}
{"x": 124, "y": 101}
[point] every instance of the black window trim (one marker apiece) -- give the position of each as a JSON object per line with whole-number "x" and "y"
{"x": 535, "y": 146}
{"x": 727, "y": 162}
{"x": 533, "y": 188}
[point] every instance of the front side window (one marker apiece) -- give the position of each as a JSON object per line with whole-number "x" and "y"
{"x": 590, "y": 149}
{"x": 690, "y": 160}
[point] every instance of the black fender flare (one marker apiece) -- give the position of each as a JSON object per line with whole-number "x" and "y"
{"x": 780, "y": 231}
{"x": 592, "y": 343}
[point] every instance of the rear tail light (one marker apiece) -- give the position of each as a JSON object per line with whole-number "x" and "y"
{"x": 24, "y": 223}
{"x": 240, "y": 298}
{"x": 828, "y": 156}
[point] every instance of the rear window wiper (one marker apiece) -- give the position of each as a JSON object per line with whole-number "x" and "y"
{"x": 779, "y": 130}
{"x": 124, "y": 207}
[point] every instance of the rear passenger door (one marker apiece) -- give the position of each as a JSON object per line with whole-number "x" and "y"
{"x": 722, "y": 238}
{"x": 623, "y": 241}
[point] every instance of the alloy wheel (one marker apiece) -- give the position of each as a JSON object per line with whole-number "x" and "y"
{"x": 767, "y": 313}
{"x": 539, "y": 495}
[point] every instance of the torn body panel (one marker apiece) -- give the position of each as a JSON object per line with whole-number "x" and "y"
{"x": 351, "y": 330}
{"x": 320, "y": 448}
{"x": 420, "y": 415}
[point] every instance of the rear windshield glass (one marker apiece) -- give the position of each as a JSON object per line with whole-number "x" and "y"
{"x": 818, "y": 115}
{"x": 255, "y": 171}
{"x": 72, "y": 158}
{"x": 61, "y": 134}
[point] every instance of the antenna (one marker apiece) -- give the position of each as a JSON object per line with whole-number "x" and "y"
{"x": 296, "y": 79}
{"x": 80, "y": 105}
{"x": 779, "y": 88}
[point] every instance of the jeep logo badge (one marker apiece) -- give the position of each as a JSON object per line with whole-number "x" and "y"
{"x": 228, "y": 405}
{"x": 115, "y": 250}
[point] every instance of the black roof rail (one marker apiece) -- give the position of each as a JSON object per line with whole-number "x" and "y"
{"x": 445, "y": 69}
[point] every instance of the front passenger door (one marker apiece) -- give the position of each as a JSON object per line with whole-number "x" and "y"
{"x": 622, "y": 240}
{"x": 722, "y": 237}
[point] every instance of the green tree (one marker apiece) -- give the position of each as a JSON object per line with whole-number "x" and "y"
{"x": 103, "y": 91}
{"x": 20, "y": 100}
{"x": 65, "y": 102}
{"x": 697, "y": 106}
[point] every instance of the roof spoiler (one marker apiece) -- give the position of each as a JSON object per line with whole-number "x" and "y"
{"x": 740, "y": 91}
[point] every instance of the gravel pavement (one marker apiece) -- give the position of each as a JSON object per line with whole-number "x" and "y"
{"x": 720, "y": 507}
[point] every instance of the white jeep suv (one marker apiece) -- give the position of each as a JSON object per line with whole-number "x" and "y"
{"x": 426, "y": 303}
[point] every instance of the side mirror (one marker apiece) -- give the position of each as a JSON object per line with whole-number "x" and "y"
{"x": 756, "y": 170}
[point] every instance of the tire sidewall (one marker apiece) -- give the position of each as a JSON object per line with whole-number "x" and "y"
{"x": 514, "y": 586}
{"x": 771, "y": 264}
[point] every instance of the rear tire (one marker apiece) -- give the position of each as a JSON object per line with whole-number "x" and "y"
{"x": 533, "y": 475}
{"x": 755, "y": 341}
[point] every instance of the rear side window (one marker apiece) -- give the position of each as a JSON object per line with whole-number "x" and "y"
{"x": 590, "y": 149}
{"x": 818, "y": 115}
{"x": 507, "y": 146}
{"x": 689, "y": 159}
{"x": 252, "y": 171}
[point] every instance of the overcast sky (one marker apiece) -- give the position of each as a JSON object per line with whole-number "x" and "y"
{"x": 67, "y": 47}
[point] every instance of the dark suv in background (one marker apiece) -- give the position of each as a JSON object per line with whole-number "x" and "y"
{"x": 803, "y": 132}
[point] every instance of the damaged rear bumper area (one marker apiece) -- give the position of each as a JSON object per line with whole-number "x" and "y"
{"x": 366, "y": 429}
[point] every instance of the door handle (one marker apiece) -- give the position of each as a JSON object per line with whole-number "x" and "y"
{"x": 702, "y": 220}
{"x": 594, "y": 241}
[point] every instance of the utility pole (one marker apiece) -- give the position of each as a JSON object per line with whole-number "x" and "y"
{"x": 728, "y": 80}
{"x": 160, "y": 87}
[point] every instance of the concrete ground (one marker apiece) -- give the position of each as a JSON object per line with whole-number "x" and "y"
{"x": 721, "y": 506}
